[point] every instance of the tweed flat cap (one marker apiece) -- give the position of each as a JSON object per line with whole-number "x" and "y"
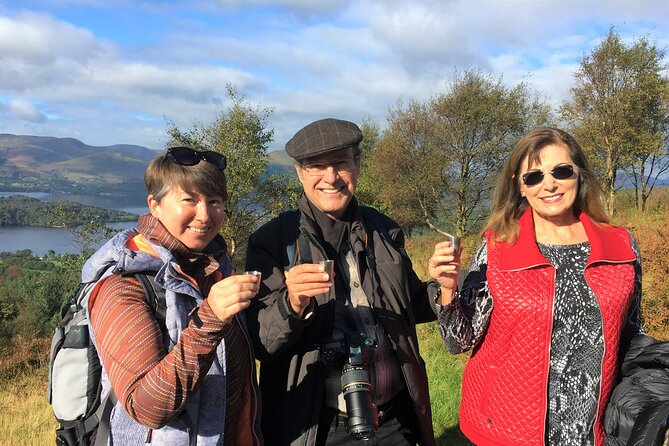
{"x": 325, "y": 135}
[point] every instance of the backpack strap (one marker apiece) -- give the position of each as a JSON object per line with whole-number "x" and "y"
{"x": 297, "y": 248}
{"x": 103, "y": 415}
{"x": 155, "y": 295}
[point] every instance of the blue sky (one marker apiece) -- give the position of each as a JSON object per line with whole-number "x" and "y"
{"x": 110, "y": 72}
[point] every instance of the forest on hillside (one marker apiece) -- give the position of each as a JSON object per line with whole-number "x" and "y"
{"x": 19, "y": 210}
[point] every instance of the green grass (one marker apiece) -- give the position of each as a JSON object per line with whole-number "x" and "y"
{"x": 25, "y": 416}
{"x": 444, "y": 372}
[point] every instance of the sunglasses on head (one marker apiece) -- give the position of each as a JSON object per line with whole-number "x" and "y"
{"x": 190, "y": 157}
{"x": 559, "y": 173}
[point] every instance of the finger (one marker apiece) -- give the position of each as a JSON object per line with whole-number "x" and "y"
{"x": 236, "y": 308}
{"x": 224, "y": 301}
{"x": 238, "y": 278}
{"x": 436, "y": 260}
{"x": 317, "y": 277}
{"x": 446, "y": 268}
{"x": 306, "y": 268}
{"x": 442, "y": 245}
{"x": 440, "y": 265}
{"x": 312, "y": 289}
{"x": 224, "y": 292}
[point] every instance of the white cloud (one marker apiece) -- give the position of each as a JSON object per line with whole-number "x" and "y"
{"x": 306, "y": 59}
{"x": 25, "y": 110}
{"x": 303, "y": 6}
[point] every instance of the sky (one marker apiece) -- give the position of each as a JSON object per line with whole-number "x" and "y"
{"x": 119, "y": 71}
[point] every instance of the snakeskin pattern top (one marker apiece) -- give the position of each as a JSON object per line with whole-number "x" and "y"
{"x": 577, "y": 344}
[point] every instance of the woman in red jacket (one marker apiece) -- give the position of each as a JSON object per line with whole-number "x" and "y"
{"x": 552, "y": 294}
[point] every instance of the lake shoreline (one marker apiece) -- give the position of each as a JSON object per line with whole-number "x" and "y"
{"x": 40, "y": 239}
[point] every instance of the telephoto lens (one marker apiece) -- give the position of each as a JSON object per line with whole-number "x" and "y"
{"x": 363, "y": 418}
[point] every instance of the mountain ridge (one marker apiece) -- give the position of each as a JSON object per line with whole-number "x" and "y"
{"x": 31, "y": 163}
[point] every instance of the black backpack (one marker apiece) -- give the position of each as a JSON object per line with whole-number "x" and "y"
{"x": 74, "y": 389}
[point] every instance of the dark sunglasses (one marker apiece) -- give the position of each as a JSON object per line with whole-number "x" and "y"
{"x": 190, "y": 157}
{"x": 559, "y": 173}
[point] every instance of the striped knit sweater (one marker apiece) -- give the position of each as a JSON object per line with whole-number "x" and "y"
{"x": 154, "y": 385}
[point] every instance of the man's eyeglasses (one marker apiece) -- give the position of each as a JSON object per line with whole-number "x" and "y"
{"x": 342, "y": 165}
{"x": 559, "y": 173}
{"x": 190, "y": 157}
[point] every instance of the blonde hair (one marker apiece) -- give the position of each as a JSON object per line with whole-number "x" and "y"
{"x": 508, "y": 203}
{"x": 163, "y": 173}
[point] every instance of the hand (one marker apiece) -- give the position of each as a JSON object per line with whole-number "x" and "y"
{"x": 232, "y": 295}
{"x": 444, "y": 267}
{"x": 304, "y": 282}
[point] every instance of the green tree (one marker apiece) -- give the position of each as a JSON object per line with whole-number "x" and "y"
{"x": 87, "y": 232}
{"x": 438, "y": 161}
{"x": 477, "y": 122}
{"x": 367, "y": 191}
{"x": 406, "y": 164}
{"x": 617, "y": 108}
{"x": 242, "y": 134}
{"x": 652, "y": 160}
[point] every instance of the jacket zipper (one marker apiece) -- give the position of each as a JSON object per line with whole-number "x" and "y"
{"x": 601, "y": 363}
{"x": 254, "y": 390}
{"x": 548, "y": 364}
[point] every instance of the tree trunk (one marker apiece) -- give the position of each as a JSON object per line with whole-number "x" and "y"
{"x": 610, "y": 182}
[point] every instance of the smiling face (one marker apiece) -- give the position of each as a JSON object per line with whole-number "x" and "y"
{"x": 191, "y": 217}
{"x": 552, "y": 200}
{"x": 332, "y": 190}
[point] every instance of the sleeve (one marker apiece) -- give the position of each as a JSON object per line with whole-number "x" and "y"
{"x": 463, "y": 321}
{"x": 423, "y": 294}
{"x": 273, "y": 327}
{"x": 153, "y": 385}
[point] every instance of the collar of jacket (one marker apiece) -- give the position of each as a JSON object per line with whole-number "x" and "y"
{"x": 350, "y": 226}
{"x": 605, "y": 245}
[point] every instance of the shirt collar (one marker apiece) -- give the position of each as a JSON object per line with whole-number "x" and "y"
{"x": 606, "y": 244}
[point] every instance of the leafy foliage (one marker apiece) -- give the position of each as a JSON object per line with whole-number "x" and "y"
{"x": 32, "y": 292}
{"x": 437, "y": 162}
{"x": 619, "y": 111}
{"x": 241, "y": 133}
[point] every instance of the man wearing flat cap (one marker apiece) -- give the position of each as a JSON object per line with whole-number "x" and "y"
{"x": 338, "y": 347}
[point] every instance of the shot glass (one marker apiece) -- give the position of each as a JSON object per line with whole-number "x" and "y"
{"x": 328, "y": 266}
{"x": 456, "y": 242}
{"x": 258, "y": 274}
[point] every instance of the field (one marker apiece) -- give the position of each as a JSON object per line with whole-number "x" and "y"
{"x": 25, "y": 417}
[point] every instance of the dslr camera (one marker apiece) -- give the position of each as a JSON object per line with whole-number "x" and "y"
{"x": 353, "y": 357}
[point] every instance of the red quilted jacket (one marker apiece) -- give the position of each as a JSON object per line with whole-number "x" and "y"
{"x": 504, "y": 387}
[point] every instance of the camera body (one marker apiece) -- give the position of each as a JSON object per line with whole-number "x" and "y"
{"x": 353, "y": 357}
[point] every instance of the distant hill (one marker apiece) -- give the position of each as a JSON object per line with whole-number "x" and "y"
{"x": 42, "y": 163}
{"x": 49, "y": 164}
{"x": 280, "y": 162}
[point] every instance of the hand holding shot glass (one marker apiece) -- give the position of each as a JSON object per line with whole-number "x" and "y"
{"x": 328, "y": 265}
{"x": 257, "y": 274}
{"x": 233, "y": 294}
{"x": 306, "y": 281}
{"x": 444, "y": 266}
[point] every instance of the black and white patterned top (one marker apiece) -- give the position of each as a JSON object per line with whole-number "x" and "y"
{"x": 577, "y": 344}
